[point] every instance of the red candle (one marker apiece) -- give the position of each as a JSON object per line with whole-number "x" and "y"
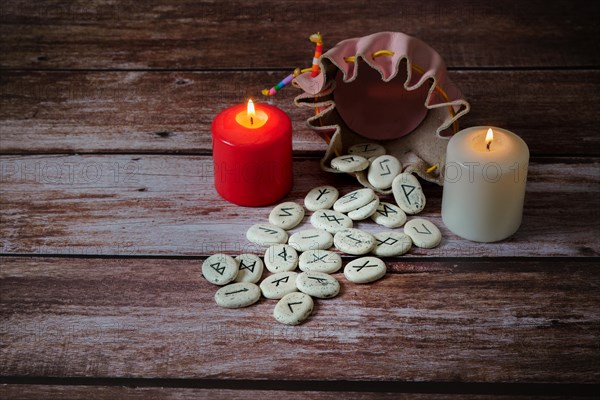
{"x": 252, "y": 153}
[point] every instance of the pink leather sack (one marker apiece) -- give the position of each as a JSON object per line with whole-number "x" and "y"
{"x": 388, "y": 88}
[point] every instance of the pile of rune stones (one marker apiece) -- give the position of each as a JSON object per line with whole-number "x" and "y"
{"x": 332, "y": 222}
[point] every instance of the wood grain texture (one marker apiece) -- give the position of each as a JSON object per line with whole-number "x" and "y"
{"x": 427, "y": 321}
{"x": 117, "y": 308}
{"x": 25, "y": 392}
{"x": 64, "y": 392}
{"x": 166, "y": 205}
{"x": 273, "y": 34}
{"x": 171, "y": 112}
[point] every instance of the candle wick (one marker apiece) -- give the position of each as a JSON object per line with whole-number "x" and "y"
{"x": 252, "y": 123}
{"x": 488, "y": 145}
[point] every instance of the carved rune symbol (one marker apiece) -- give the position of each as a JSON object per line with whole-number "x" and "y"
{"x": 384, "y": 167}
{"x": 353, "y": 238}
{"x": 388, "y": 240}
{"x": 366, "y": 148}
{"x": 315, "y": 258}
{"x": 310, "y": 237}
{"x": 278, "y": 281}
{"x": 238, "y": 291}
{"x": 350, "y": 196}
{"x": 293, "y": 304}
{"x": 348, "y": 159}
{"x": 287, "y": 213}
{"x": 322, "y": 192}
{"x": 322, "y": 281}
{"x": 249, "y": 267}
{"x": 407, "y": 193}
{"x": 428, "y": 232}
{"x": 365, "y": 265}
{"x": 269, "y": 231}
{"x": 331, "y": 218}
{"x": 387, "y": 210}
{"x": 283, "y": 254}
{"x": 217, "y": 267}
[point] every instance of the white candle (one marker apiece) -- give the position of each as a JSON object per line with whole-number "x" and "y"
{"x": 484, "y": 184}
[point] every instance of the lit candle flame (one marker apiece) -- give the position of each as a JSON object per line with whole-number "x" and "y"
{"x": 489, "y": 137}
{"x": 251, "y": 111}
{"x": 254, "y": 117}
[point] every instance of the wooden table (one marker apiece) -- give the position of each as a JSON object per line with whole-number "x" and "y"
{"x": 108, "y": 208}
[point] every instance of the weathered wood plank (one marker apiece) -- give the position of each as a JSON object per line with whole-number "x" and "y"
{"x": 58, "y": 112}
{"x": 24, "y": 392}
{"x": 36, "y": 392}
{"x": 269, "y": 34}
{"x": 133, "y": 111}
{"x": 464, "y": 321}
{"x": 166, "y": 205}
